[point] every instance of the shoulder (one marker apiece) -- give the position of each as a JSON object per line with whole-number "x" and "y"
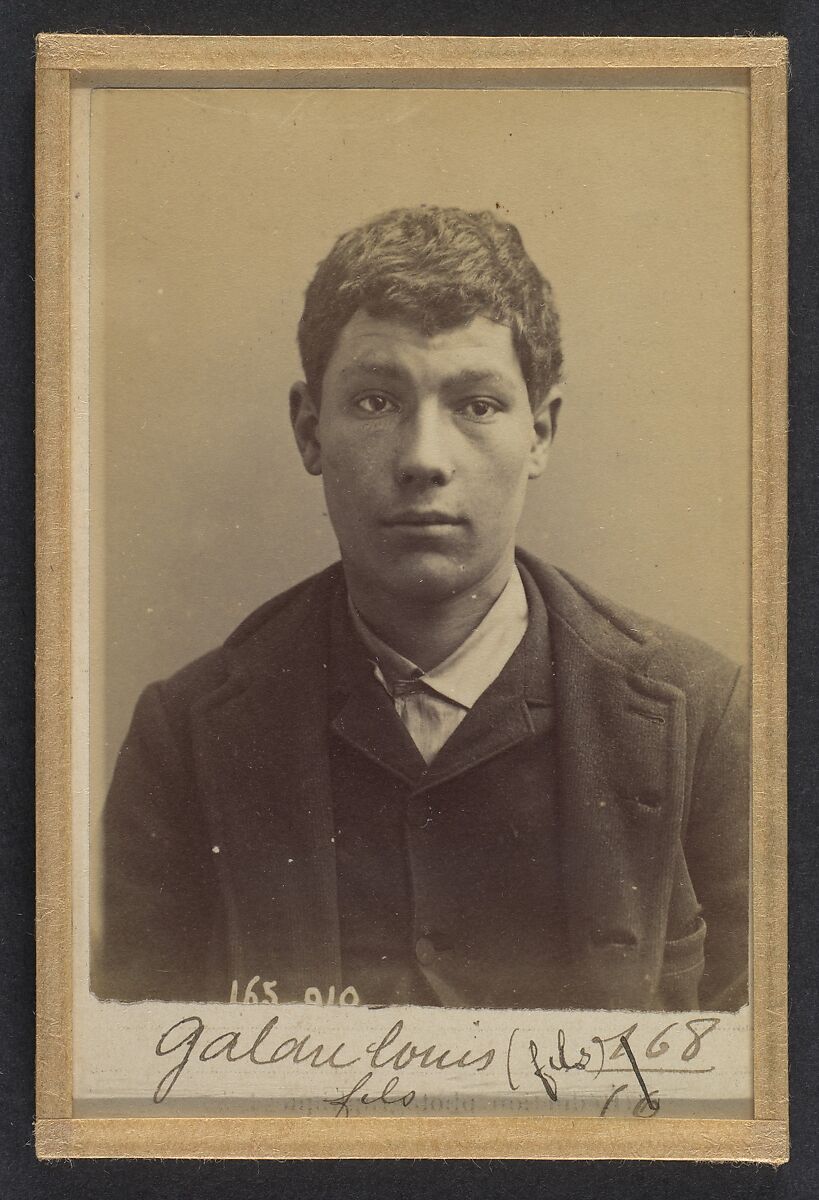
{"x": 270, "y": 633}
{"x": 638, "y": 643}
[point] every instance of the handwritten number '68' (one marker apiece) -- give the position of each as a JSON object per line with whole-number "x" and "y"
{"x": 698, "y": 1027}
{"x": 661, "y": 1043}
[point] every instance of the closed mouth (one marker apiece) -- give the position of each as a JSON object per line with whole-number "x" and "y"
{"x": 422, "y": 519}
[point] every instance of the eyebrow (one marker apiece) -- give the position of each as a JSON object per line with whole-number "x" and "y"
{"x": 372, "y": 366}
{"x": 390, "y": 370}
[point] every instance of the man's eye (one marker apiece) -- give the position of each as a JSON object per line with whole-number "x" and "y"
{"x": 479, "y": 409}
{"x": 374, "y": 403}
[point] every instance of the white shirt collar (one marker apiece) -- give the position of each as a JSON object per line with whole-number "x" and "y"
{"x": 467, "y": 672}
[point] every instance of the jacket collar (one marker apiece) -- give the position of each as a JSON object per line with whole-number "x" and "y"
{"x": 465, "y": 674}
{"x": 508, "y": 711}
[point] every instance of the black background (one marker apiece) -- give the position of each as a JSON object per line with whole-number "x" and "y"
{"x": 21, "y": 1176}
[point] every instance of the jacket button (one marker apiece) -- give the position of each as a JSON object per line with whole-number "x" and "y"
{"x": 419, "y": 812}
{"x": 425, "y": 951}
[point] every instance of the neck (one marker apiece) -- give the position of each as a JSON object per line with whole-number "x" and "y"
{"x": 427, "y": 631}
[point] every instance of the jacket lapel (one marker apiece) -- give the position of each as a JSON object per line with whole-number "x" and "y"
{"x": 621, "y": 739}
{"x": 260, "y": 747}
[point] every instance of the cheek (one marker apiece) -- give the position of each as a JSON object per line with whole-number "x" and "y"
{"x": 353, "y": 454}
{"x": 350, "y": 482}
{"x": 341, "y": 461}
{"x": 505, "y": 472}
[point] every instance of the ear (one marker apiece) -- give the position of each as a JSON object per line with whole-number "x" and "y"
{"x": 304, "y": 418}
{"x": 544, "y": 427}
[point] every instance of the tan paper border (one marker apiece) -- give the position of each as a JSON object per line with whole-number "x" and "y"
{"x": 60, "y": 1135}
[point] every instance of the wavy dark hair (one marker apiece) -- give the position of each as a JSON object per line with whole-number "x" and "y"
{"x": 434, "y": 268}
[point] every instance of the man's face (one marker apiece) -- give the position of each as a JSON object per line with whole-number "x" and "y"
{"x": 425, "y": 445}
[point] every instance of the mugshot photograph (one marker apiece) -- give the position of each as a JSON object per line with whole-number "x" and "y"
{"x": 441, "y": 771}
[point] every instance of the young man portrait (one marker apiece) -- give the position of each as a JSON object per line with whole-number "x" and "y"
{"x": 441, "y": 771}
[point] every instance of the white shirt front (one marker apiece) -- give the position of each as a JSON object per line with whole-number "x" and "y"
{"x": 433, "y": 703}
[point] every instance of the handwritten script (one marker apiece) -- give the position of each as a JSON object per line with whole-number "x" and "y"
{"x": 392, "y": 1069}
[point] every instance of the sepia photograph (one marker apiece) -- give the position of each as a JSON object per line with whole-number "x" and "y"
{"x": 413, "y": 595}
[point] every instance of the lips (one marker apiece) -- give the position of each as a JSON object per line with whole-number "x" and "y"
{"x": 423, "y": 518}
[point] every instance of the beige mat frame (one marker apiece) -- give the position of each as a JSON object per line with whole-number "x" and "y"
{"x": 63, "y": 60}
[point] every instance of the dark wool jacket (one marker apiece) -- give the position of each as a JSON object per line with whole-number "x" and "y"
{"x": 219, "y": 850}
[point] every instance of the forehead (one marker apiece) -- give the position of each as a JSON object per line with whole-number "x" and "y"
{"x": 368, "y": 342}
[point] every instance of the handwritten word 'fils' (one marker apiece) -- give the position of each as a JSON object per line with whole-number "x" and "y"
{"x": 185, "y": 1036}
{"x": 357, "y": 1092}
{"x": 562, "y": 1064}
{"x": 689, "y": 1037}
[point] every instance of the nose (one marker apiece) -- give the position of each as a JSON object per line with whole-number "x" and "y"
{"x": 424, "y": 452}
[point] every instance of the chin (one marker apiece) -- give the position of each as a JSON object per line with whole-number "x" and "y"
{"x": 428, "y": 578}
